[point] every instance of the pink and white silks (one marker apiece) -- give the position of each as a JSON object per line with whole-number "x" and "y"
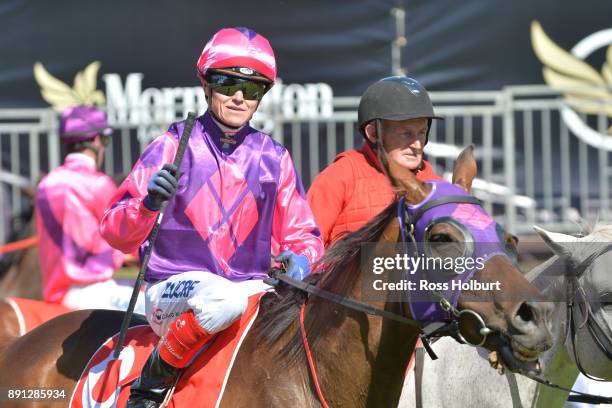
{"x": 77, "y": 264}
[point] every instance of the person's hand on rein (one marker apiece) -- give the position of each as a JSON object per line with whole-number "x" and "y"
{"x": 162, "y": 185}
{"x": 297, "y": 266}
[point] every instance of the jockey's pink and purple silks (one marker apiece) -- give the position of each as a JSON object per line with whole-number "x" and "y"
{"x": 80, "y": 123}
{"x": 234, "y": 206}
{"x": 481, "y": 229}
{"x": 70, "y": 204}
{"x": 238, "y": 47}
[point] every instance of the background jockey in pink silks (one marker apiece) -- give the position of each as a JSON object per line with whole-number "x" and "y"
{"x": 238, "y": 200}
{"x": 77, "y": 264}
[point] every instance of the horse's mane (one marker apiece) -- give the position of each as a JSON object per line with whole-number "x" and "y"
{"x": 599, "y": 232}
{"x": 594, "y": 233}
{"x": 336, "y": 273}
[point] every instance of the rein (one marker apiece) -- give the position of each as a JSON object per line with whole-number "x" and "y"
{"x": 430, "y": 329}
{"x": 574, "y": 288}
{"x": 580, "y": 397}
{"x": 311, "y": 365}
{"x": 426, "y": 330}
{"x": 19, "y": 245}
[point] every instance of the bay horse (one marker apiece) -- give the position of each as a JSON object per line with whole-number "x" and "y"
{"x": 360, "y": 358}
{"x": 592, "y": 349}
{"x": 20, "y": 274}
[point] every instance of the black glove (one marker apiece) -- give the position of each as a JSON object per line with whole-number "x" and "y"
{"x": 162, "y": 185}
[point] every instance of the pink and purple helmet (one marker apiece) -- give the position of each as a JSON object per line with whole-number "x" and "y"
{"x": 80, "y": 123}
{"x": 238, "y": 47}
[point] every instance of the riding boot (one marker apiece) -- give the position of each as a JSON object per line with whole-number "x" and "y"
{"x": 156, "y": 378}
{"x": 173, "y": 352}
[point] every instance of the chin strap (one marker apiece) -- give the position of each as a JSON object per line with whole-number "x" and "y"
{"x": 381, "y": 153}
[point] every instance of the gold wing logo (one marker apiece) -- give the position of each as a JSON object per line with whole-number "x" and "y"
{"x": 585, "y": 89}
{"x": 61, "y": 96}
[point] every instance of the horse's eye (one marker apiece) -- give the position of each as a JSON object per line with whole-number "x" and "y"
{"x": 606, "y": 299}
{"x": 440, "y": 238}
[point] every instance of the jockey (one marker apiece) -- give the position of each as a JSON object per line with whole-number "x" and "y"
{"x": 238, "y": 200}
{"x": 77, "y": 264}
{"x": 394, "y": 116}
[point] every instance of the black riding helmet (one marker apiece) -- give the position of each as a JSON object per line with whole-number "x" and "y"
{"x": 395, "y": 98}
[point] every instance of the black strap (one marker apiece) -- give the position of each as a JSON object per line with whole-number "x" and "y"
{"x": 191, "y": 117}
{"x": 418, "y": 376}
{"x": 598, "y": 399}
{"x": 578, "y": 396}
{"x": 574, "y": 288}
{"x": 350, "y": 303}
{"x": 425, "y": 330}
{"x": 428, "y": 349}
{"x": 589, "y": 399}
{"x": 592, "y": 326}
{"x": 598, "y": 334}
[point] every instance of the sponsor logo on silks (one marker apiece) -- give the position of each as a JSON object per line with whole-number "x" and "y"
{"x": 180, "y": 289}
{"x": 159, "y": 315}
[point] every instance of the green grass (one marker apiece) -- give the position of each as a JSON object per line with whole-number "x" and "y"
{"x": 126, "y": 273}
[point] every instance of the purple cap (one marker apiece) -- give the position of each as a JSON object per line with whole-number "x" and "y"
{"x": 81, "y": 123}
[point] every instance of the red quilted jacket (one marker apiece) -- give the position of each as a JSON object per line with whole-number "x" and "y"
{"x": 351, "y": 191}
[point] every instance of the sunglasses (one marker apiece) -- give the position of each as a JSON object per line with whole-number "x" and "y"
{"x": 228, "y": 85}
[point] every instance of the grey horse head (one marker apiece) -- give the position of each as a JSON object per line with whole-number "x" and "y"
{"x": 591, "y": 257}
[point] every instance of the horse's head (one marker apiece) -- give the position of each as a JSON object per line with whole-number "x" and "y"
{"x": 504, "y": 312}
{"x": 587, "y": 281}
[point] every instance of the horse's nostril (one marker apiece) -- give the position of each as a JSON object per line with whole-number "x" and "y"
{"x": 525, "y": 312}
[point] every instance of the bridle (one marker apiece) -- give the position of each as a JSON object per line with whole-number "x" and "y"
{"x": 576, "y": 296}
{"x": 452, "y": 326}
{"x": 427, "y": 329}
{"x": 574, "y": 290}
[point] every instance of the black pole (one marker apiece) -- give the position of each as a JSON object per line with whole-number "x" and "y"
{"x": 153, "y": 237}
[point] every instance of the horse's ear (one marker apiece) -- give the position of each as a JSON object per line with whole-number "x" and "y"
{"x": 404, "y": 179}
{"x": 465, "y": 168}
{"x": 556, "y": 241}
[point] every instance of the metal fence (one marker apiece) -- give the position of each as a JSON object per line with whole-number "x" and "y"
{"x": 532, "y": 168}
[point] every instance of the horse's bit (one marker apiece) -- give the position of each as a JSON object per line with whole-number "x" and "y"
{"x": 573, "y": 290}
